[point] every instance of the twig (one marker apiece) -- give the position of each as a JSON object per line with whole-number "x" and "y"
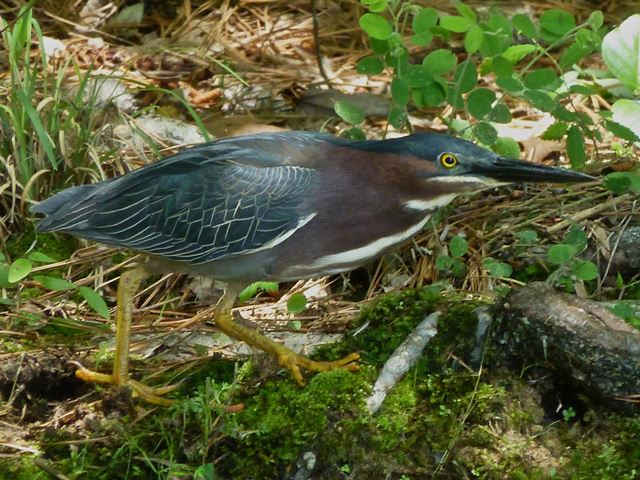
{"x": 402, "y": 359}
{"x": 41, "y": 464}
{"x": 584, "y": 214}
{"x": 316, "y": 41}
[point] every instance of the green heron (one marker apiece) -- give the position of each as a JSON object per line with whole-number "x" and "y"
{"x": 276, "y": 206}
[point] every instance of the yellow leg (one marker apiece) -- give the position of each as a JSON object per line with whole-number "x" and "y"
{"x": 286, "y": 357}
{"x": 130, "y": 281}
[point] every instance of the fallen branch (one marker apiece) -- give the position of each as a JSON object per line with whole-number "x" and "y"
{"x": 578, "y": 339}
{"x": 403, "y": 358}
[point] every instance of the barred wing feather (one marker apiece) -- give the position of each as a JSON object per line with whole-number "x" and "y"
{"x": 200, "y": 207}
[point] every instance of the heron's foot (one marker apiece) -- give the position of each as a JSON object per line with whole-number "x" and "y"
{"x": 294, "y": 362}
{"x": 150, "y": 394}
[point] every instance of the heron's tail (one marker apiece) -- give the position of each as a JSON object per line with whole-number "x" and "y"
{"x": 64, "y": 210}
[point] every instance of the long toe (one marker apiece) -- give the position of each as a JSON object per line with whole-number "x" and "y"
{"x": 149, "y": 394}
{"x": 350, "y": 363}
{"x": 90, "y": 376}
{"x": 295, "y": 362}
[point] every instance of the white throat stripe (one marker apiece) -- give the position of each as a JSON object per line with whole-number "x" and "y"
{"x": 430, "y": 205}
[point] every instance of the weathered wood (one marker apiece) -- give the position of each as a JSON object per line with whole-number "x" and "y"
{"x": 579, "y": 339}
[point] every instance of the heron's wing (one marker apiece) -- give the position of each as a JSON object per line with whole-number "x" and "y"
{"x": 198, "y": 206}
{"x": 223, "y": 211}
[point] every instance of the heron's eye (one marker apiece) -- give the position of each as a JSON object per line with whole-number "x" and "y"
{"x": 448, "y": 160}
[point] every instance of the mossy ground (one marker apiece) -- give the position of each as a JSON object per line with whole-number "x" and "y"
{"x": 442, "y": 418}
{"x": 57, "y": 246}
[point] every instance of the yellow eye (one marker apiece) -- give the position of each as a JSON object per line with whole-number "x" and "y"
{"x": 448, "y": 160}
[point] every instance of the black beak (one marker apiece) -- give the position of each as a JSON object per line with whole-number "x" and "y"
{"x": 514, "y": 171}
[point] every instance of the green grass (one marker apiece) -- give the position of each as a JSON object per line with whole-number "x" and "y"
{"x": 46, "y": 120}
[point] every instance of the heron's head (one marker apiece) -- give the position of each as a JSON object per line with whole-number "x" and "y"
{"x": 459, "y": 161}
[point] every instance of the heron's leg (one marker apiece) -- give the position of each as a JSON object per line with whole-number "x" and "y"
{"x": 129, "y": 284}
{"x": 286, "y": 357}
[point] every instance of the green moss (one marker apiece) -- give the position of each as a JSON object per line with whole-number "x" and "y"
{"x": 224, "y": 371}
{"x": 57, "y": 246}
{"x": 282, "y": 419}
{"x": 395, "y": 418}
{"x": 10, "y": 346}
{"x": 21, "y": 469}
{"x": 390, "y": 319}
{"x": 120, "y": 257}
{"x": 327, "y": 416}
{"x": 611, "y": 454}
